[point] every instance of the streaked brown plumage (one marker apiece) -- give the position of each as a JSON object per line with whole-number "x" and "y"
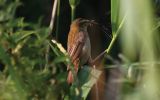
{"x": 78, "y": 46}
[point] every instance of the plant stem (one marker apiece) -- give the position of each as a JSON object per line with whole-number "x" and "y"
{"x": 111, "y": 44}
{"x": 57, "y": 22}
{"x": 73, "y": 10}
{"x": 53, "y": 16}
{"x": 115, "y": 36}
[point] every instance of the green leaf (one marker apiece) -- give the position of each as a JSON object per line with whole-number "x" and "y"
{"x": 61, "y": 77}
{"x": 88, "y": 76}
{"x": 114, "y": 15}
{"x": 57, "y": 48}
{"x": 3, "y": 56}
{"x": 54, "y": 49}
{"x": 21, "y": 35}
{"x": 61, "y": 59}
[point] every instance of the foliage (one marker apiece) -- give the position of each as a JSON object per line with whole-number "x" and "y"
{"x": 22, "y": 54}
{"x": 139, "y": 45}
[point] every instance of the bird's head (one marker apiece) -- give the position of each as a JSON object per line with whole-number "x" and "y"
{"x": 81, "y": 24}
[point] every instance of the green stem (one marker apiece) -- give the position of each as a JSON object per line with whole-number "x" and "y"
{"x": 73, "y": 11}
{"x": 57, "y": 22}
{"x": 115, "y": 36}
{"x": 111, "y": 44}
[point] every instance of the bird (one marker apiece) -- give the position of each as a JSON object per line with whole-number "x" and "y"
{"x": 79, "y": 46}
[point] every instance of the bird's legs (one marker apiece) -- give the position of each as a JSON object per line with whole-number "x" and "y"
{"x": 92, "y": 62}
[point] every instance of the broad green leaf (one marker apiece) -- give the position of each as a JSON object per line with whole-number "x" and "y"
{"x": 88, "y": 76}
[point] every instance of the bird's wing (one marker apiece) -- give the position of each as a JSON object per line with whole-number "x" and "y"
{"x": 75, "y": 49}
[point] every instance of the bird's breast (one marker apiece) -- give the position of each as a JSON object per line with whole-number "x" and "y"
{"x": 86, "y": 51}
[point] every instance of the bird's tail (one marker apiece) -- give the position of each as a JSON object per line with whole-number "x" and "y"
{"x": 70, "y": 78}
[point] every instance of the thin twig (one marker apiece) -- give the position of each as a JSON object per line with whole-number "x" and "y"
{"x": 96, "y": 88}
{"x": 53, "y": 15}
{"x": 133, "y": 64}
{"x": 51, "y": 29}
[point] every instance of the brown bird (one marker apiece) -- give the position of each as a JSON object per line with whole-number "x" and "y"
{"x": 79, "y": 46}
